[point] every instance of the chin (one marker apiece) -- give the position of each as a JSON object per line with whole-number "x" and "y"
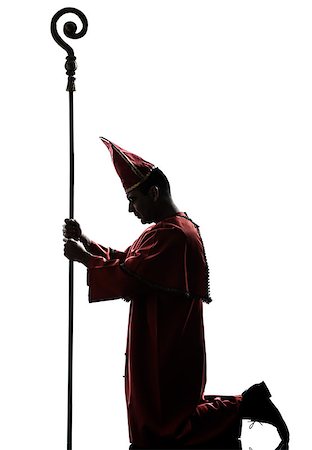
{"x": 144, "y": 221}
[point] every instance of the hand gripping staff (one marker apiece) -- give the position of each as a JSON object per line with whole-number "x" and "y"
{"x": 70, "y": 31}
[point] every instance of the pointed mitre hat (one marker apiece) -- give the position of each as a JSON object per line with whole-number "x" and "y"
{"x": 132, "y": 169}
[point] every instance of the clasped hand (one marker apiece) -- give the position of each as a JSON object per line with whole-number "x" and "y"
{"x": 73, "y": 250}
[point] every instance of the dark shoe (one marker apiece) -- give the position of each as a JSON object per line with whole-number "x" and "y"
{"x": 256, "y": 405}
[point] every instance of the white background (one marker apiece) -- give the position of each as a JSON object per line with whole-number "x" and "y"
{"x": 218, "y": 95}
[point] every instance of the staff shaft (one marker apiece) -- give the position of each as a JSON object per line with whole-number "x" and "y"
{"x": 71, "y": 276}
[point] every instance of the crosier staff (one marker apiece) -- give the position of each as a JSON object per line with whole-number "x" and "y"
{"x": 70, "y": 31}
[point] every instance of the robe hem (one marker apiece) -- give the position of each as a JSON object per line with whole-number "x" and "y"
{"x": 103, "y": 299}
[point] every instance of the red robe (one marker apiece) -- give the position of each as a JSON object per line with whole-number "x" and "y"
{"x": 164, "y": 275}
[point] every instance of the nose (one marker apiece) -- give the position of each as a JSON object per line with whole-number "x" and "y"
{"x": 130, "y": 209}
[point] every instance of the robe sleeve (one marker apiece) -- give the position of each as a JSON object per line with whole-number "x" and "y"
{"x": 106, "y": 252}
{"x": 161, "y": 259}
{"x": 137, "y": 268}
{"x": 108, "y": 281}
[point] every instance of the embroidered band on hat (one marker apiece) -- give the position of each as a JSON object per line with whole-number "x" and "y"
{"x": 132, "y": 169}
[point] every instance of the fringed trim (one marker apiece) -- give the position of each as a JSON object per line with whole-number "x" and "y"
{"x": 207, "y": 298}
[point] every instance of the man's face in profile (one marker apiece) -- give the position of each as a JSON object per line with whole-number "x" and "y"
{"x": 142, "y": 205}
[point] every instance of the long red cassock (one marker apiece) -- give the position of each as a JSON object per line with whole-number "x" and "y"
{"x": 164, "y": 275}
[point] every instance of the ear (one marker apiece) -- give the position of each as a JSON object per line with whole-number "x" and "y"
{"x": 154, "y": 193}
